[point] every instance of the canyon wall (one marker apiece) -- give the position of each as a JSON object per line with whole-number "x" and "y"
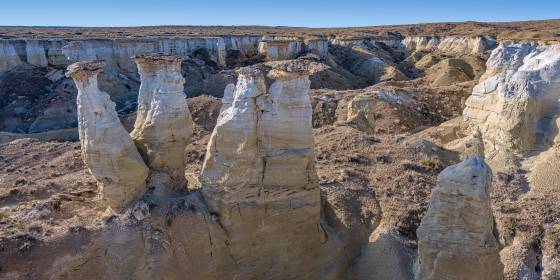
{"x": 516, "y": 101}
{"x": 8, "y": 56}
{"x": 452, "y": 44}
{"x": 117, "y": 53}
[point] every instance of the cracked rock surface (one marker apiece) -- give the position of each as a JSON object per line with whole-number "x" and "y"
{"x": 107, "y": 149}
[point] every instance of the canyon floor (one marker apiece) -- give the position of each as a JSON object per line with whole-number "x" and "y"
{"x": 382, "y": 134}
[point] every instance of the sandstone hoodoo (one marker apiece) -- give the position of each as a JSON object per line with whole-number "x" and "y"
{"x": 107, "y": 149}
{"x": 259, "y": 176}
{"x": 425, "y": 151}
{"x": 455, "y": 238}
{"x": 163, "y": 124}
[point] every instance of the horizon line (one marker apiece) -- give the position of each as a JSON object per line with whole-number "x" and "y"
{"x": 273, "y": 26}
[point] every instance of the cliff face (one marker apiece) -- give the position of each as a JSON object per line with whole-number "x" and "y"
{"x": 280, "y": 48}
{"x": 247, "y": 46}
{"x": 517, "y": 99}
{"x": 117, "y": 53}
{"x": 465, "y": 45}
{"x": 36, "y": 54}
{"x": 8, "y": 56}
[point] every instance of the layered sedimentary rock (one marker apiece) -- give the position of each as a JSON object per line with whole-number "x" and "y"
{"x": 107, "y": 149}
{"x": 247, "y": 46}
{"x": 41, "y": 53}
{"x": 8, "y": 56}
{"x": 259, "y": 176}
{"x": 36, "y": 54}
{"x": 119, "y": 52}
{"x": 116, "y": 53}
{"x": 366, "y": 42}
{"x": 452, "y": 44}
{"x": 317, "y": 45}
{"x": 163, "y": 124}
{"x": 280, "y": 48}
{"x": 516, "y": 101}
{"x": 455, "y": 237}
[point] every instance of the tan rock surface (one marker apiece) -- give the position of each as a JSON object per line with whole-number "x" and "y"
{"x": 455, "y": 237}
{"x": 516, "y": 100}
{"x": 259, "y": 177}
{"x": 107, "y": 149}
{"x": 163, "y": 124}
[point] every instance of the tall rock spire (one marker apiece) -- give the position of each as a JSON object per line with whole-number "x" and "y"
{"x": 163, "y": 126}
{"x": 455, "y": 237}
{"x": 107, "y": 149}
{"x": 259, "y": 177}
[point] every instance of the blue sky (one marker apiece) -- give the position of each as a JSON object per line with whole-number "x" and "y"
{"x": 315, "y": 13}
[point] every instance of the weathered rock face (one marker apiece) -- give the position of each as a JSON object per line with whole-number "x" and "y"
{"x": 40, "y": 53}
{"x": 280, "y": 48}
{"x": 241, "y": 48}
{"x": 8, "y": 57}
{"x": 163, "y": 124}
{"x": 36, "y": 54}
{"x": 107, "y": 149}
{"x": 259, "y": 177}
{"x": 118, "y": 52}
{"x": 455, "y": 237}
{"x": 464, "y": 45}
{"x": 365, "y": 43}
{"x": 319, "y": 46}
{"x": 371, "y": 60}
{"x": 379, "y": 110}
{"x": 360, "y": 113}
{"x": 517, "y": 99}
